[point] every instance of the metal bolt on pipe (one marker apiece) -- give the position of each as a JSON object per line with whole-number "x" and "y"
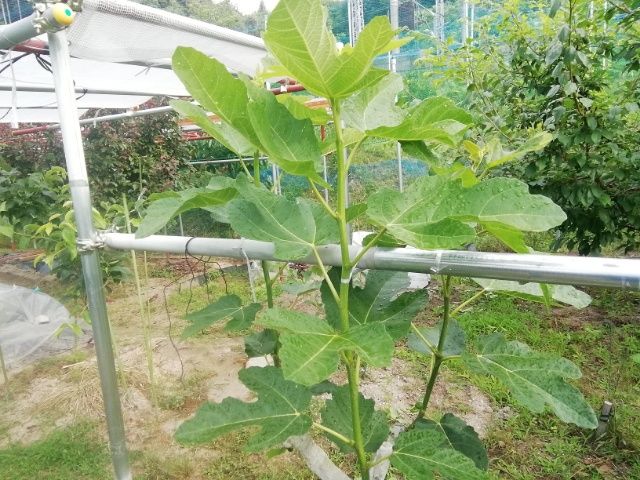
{"x": 87, "y": 243}
{"x": 552, "y": 269}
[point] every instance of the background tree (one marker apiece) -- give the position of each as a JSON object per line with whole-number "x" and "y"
{"x": 575, "y": 75}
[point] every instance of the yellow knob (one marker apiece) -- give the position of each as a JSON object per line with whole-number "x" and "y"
{"x": 63, "y": 14}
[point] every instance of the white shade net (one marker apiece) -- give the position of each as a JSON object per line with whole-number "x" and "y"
{"x": 121, "y": 56}
{"x": 29, "y": 321}
{"x": 122, "y": 31}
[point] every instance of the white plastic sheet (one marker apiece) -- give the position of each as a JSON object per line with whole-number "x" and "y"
{"x": 29, "y": 321}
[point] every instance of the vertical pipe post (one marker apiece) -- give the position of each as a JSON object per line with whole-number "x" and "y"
{"x": 87, "y": 241}
{"x": 393, "y": 66}
{"x": 465, "y": 21}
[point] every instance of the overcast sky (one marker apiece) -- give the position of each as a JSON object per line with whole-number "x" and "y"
{"x": 250, "y": 6}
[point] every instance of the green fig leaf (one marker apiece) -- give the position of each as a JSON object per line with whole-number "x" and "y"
{"x": 336, "y": 415}
{"x": 295, "y": 228}
{"x": 279, "y": 411}
{"x": 535, "y": 379}
{"x": 310, "y": 347}
{"x": 460, "y": 437}
{"x": 383, "y": 300}
{"x": 426, "y": 454}
{"x": 229, "y": 308}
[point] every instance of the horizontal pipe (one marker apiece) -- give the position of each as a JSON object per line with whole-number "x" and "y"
{"x": 115, "y": 116}
{"x": 17, "y": 32}
{"x": 25, "y": 87}
{"x": 91, "y": 121}
{"x": 224, "y": 160}
{"x": 553, "y": 269}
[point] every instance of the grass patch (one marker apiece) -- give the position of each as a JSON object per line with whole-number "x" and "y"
{"x": 73, "y": 453}
{"x": 531, "y": 446}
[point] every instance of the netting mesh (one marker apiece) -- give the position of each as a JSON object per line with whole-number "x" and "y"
{"x": 122, "y": 31}
{"x": 29, "y": 321}
{"x": 14, "y": 10}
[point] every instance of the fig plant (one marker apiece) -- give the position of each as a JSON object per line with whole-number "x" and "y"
{"x": 362, "y": 322}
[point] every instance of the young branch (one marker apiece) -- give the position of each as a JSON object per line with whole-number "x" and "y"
{"x": 437, "y": 357}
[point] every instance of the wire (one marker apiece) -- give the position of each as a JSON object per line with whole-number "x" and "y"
{"x": 11, "y": 61}
{"x": 44, "y": 63}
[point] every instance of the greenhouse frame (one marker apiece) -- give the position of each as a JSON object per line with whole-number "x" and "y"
{"x": 76, "y": 35}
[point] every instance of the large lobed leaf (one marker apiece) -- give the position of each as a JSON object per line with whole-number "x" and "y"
{"x": 297, "y": 35}
{"x": 215, "y": 89}
{"x": 336, "y": 415}
{"x": 436, "y": 119}
{"x": 460, "y": 437}
{"x": 383, "y": 300}
{"x": 222, "y": 132}
{"x": 432, "y": 212}
{"x": 251, "y": 119}
{"x": 425, "y": 454}
{"x": 289, "y": 142}
{"x": 169, "y": 205}
{"x": 535, "y": 379}
{"x": 279, "y": 411}
{"x": 295, "y": 228}
{"x": 228, "y": 308}
{"x": 310, "y": 347}
{"x": 534, "y": 291}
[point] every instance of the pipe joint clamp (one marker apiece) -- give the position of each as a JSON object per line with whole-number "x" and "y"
{"x": 89, "y": 245}
{"x": 54, "y": 16}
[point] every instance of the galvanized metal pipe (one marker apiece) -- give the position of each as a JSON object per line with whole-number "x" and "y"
{"x": 80, "y": 195}
{"x": 27, "y": 87}
{"x": 553, "y": 269}
{"x": 17, "y": 32}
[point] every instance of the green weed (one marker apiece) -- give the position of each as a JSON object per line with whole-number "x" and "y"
{"x": 73, "y": 453}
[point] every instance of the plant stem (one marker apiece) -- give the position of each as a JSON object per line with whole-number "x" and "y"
{"x": 437, "y": 357}
{"x": 256, "y": 168}
{"x": 267, "y": 283}
{"x": 143, "y": 312}
{"x": 4, "y": 374}
{"x": 265, "y": 265}
{"x": 352, "y": 360}
{"x": 244, "y": 167}
{"x": 353, "y": 372}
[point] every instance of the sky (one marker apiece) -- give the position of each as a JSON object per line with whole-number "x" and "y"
{"x": 250, "y": 6}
